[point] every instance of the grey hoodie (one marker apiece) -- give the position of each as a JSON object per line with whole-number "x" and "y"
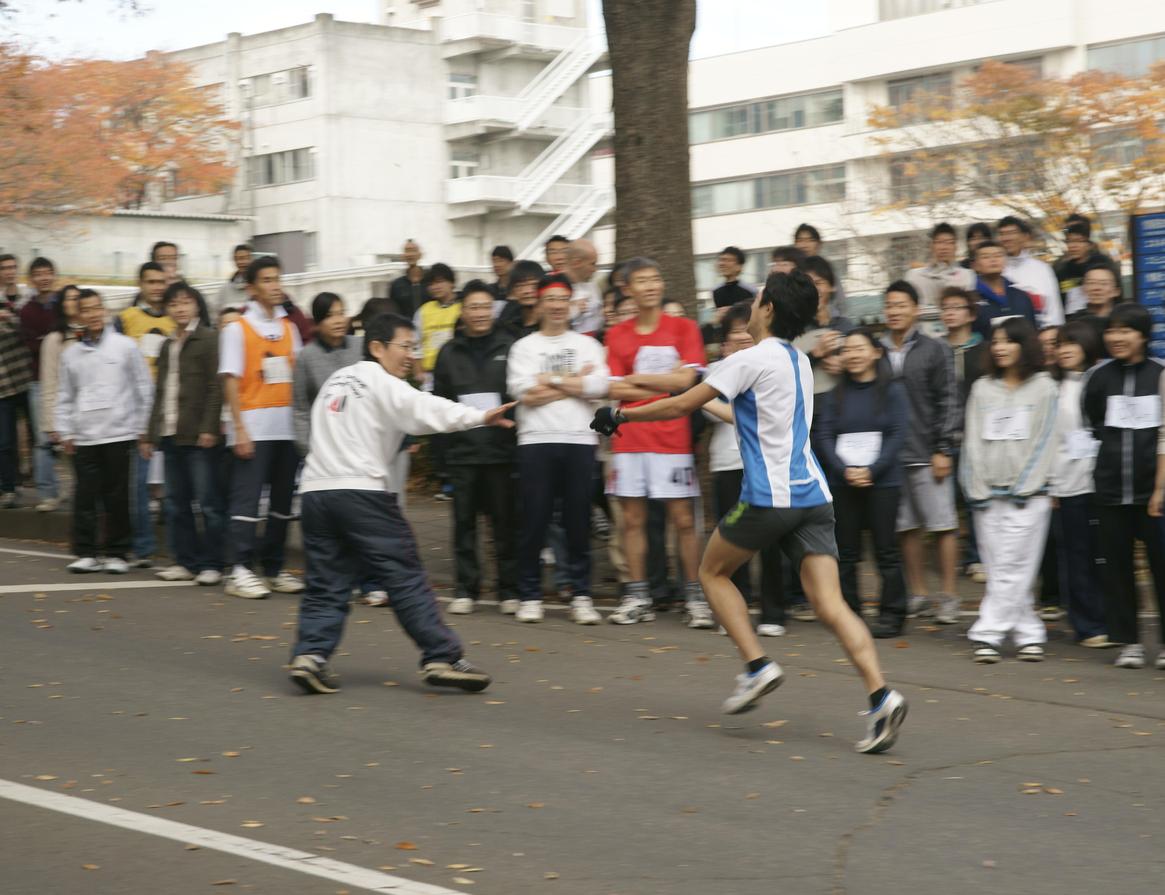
{"x": 1015, "y": 468}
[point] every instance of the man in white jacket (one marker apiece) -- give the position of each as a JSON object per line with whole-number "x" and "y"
{"x": 104, "y": 396}
{"x": 1033, "y": 276}
{"x": 352, "y": 523}
{"x": 555, "y": 373}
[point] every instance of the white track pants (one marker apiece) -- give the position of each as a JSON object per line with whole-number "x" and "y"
{"x": 1011, "y": 545}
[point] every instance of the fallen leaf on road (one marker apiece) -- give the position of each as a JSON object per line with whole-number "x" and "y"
{"x": 753, "y": 795}
{"x": 203, "y": 772}
{"x": 774, "y": 724}
{"x": 44, "y": 777}
{"x": 386, "y": 867}
{"x": 462, "y": 881}
{"x": 495, "y": 702}
{"x": 231, "y": 754}
{"x": 424, "y": 862}
{"x": 403, "y": 846}
{"x": 224, "y": 882}
{"x": 251, "y": 824}
{"x": 550, "y": 875}
{"x": 456, "y": 866}
{"x": 536, "y": 805}
{"x": 90, "y": 866}
{"x": 1053, "y": 791}
{"x": 306, "y": 800}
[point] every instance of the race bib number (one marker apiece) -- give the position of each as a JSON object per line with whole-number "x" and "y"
{"x": 276, "y": 370}
{"x": 1008, "y": 424}
{"x": 1124, "y": 412}
{"x": 95, "y": 396}
{"x": 151, "y": 344}
{"x": 1081, "y": 445}
{"x": 859, "y": 449}
{"x": 656, "y": 359}
{"x": 481, "y": 400}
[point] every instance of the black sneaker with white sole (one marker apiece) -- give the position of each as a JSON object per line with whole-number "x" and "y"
{"x": 462, "y": 675}
{"x": 313, "y": 675}
{"x": 884, "y": 722}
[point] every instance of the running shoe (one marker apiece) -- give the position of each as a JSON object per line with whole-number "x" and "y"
{"x": 948, "y": 609}
{"x": 116, "y": 566}
{"x": 1051, "y": 613}
{"x": 461, "y": 606}
{"x": 769, "y": 630}
{"x": 751, "y": 686}
{"x": 509, "y": 607}
{"x": 246, "y": 584}
{"x": 175, "y": 573}
{"x": 85, "y": 564}
{"x": 918, "y": 606}
{"x": 632, "y": 611}
{"x": 1160, "y": 663}
{"x": 884, "y": 721}
{"x": 976, "y": 572}
{"x": 460, "y": 674}
{"x": 312, "y": 674}
{"x": 141, "y": 562}
{"x": 1132, "y": 656}
{"x": 699, "y": 614}
{"x": 1032, "y": 652}
{"x": 47, "y": 505}
{"x": 583, "y": 612}
{"x": 285, "y": 583}
{"x": 1099, "y": 641}
{"x": 530, "y": 612}
{"x": 209, "y": 578}
{"x": 803, "y": 612}
{"x": 985, "y": 654}
{"x": 376, "y": 598}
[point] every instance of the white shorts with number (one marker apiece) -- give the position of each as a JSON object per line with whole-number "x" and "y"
{"x": 658, "y": 476}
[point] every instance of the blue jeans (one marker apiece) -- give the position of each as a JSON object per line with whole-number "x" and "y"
{"x": 144, "y": 542}
{"x": 190, "y": 476}
{"x": 348, "y": 534}
{"x": 44, "y": 465}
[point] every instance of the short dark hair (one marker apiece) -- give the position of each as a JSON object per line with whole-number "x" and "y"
{"x": 792, "y": 254}
{"x": 321, "y": 305}
{"x": 161, "y": 244}
{"x": 374, "y": 307}
{"x": 1023, "y": 334}
{"x": 383, "y": 328}
{"x": 557, "y": 237}
{"x": 735, "y": 253}
{"x": 985, "y": 244}
{"x": 148, "y": 266}
{"x": 794, "y": 300}
{"x": 41, "y": 262}
{"x": 242, "y": 247}
{"x": 8, "y": 256}
{"x": 815, "y": 264}
{"x": 474, "y": 286}
{"x": 182, "y": 288}
{"x": 502, "y": 252}
{"x": 89, "y": 293}
{"x": 1105, "y": 264}
{"x": 555, "y": 279}
{"x": 979, "y": 229}
{"x": 1012, "y": 221}
{"x": 637, "y": 264}
{"x": 1132, "y": 315}
{"x": 438, "y": 271}
{"x": 1084, "y": 334}
{"x": 1078, "y": 229}
{"x": 809, "y": 230}
{"x": 526, "y": 270}
{"x": 957, "y": 292}
{"x": 943, "y": 229}
{"x": 905, "y": 287}
{"x": 741, "y": 312}
{"x": 1078, "y": 218}
{"x": 259, "y": 265}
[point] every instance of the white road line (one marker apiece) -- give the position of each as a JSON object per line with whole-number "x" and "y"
{"x": 90, "y": 582}
{"x": 276, "y": 855}
{"x": 35, "y": 553}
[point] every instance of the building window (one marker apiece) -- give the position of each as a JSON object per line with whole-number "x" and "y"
{"x": 903, "y": 9}
{"x": 1118, "y": 147}
{"x": 918, "y": 180}
{"x": 1131, "y": 57}
{"x": 812, "y": 186}
{"x": 463, "y": 163}
{"x": 906, "y": 91}
{"x": 277, "y": 87}
{"x": 311, "y": 249}
{"x": 462, "y": 86}
{"x": 274, "y": 168}
{"x": 766, "y": 116}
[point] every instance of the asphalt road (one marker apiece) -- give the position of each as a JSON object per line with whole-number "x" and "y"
{"x": 597, "y": 763}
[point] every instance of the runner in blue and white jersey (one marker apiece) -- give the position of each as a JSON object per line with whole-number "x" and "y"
{"x": 784, "y": 498}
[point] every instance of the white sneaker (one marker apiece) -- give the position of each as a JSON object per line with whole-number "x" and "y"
{"x": 47, "y": 505}
{"x": 546, "y": 557}
{"x": 530, "y": 612}
{"x": 1160, "y": 664}
{"x": 1132, "y": 656}
{"x": 85, "y": 564}
{"x": 583, "y": 612}
{"x": 884, "y": 722}
{"x": 509, "y": 607}
{"x": 770, "y": 630}
{"x": 751, "y": 687}
{"x": 461, "y": 606}
{"x": 116, "y": 566}
{"x": 209, "y": 578}
{"x": 1032, "y": 652}
{"x": 8, "y": 500}
{"x": 699, "y": 614}
{"x": 175, "y": 573}
{"x": 1051, "y": 613}
{"x": 918, "y": 607}
{"x": 803, "y": 613}
{"x": 948, "y": 610}
{"x": 986, "y": 654}
{"x": 632, "y": 611}
{"x": 376, "y": 598}
{"x": 246, "y": 584}
{"x": 285, "y": 583}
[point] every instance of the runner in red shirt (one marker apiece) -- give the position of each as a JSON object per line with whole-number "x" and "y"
{"x": 650, "y": 357}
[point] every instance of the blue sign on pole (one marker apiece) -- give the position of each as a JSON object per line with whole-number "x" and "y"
{"x": 1147, "y": 237}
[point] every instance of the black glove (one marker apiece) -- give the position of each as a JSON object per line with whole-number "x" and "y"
{"x": 607, "y": 420}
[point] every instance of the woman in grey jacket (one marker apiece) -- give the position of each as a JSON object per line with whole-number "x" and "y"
{"x": 1008, "y": 449}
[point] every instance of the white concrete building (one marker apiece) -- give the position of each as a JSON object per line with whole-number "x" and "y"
{"x": 461, "y": 123}
{"x": 780, "y": 134}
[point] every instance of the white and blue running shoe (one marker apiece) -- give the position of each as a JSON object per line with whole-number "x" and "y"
{"x": 751, "y": 687}
{"x": 884, "y": 721}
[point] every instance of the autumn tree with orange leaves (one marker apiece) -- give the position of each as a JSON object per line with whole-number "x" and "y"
{"x": 89, "y": 136}
{"x": 1006, "y": 140}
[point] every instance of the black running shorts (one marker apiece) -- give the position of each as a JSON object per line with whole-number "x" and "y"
{"x": 798, "y": 531}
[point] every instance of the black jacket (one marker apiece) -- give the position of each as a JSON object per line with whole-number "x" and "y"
{"x": 468, "y": 366}
{"x": 1127, "y": 462}
{"x": 928, "y": 372}
{"x": 407, "y": 295}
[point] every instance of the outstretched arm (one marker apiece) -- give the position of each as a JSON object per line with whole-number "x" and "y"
{"x": 671, "y": 408}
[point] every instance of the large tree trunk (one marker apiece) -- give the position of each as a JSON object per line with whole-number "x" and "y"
{"x": 648, "y": 42}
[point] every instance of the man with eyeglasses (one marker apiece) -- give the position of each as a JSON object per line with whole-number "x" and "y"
{"x": 352, "y": 523}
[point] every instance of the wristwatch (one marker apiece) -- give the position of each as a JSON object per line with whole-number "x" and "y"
{"x": 556, "y": 380}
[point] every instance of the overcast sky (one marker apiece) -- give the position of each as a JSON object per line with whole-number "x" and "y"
{"x": 61, "y": 28}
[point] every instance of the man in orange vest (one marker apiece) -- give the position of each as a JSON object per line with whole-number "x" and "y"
{"x": 256, "y": 359}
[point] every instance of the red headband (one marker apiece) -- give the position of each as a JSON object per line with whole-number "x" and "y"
{"x": 555, "y": 285}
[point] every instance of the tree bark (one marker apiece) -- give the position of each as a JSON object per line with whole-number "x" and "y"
{"x": 648, "y": 43}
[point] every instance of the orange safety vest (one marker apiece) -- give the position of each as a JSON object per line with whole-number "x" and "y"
{"x": 254, "y": 391}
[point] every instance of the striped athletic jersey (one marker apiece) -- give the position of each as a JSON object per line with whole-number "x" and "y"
{"x": 771, "y": 389}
